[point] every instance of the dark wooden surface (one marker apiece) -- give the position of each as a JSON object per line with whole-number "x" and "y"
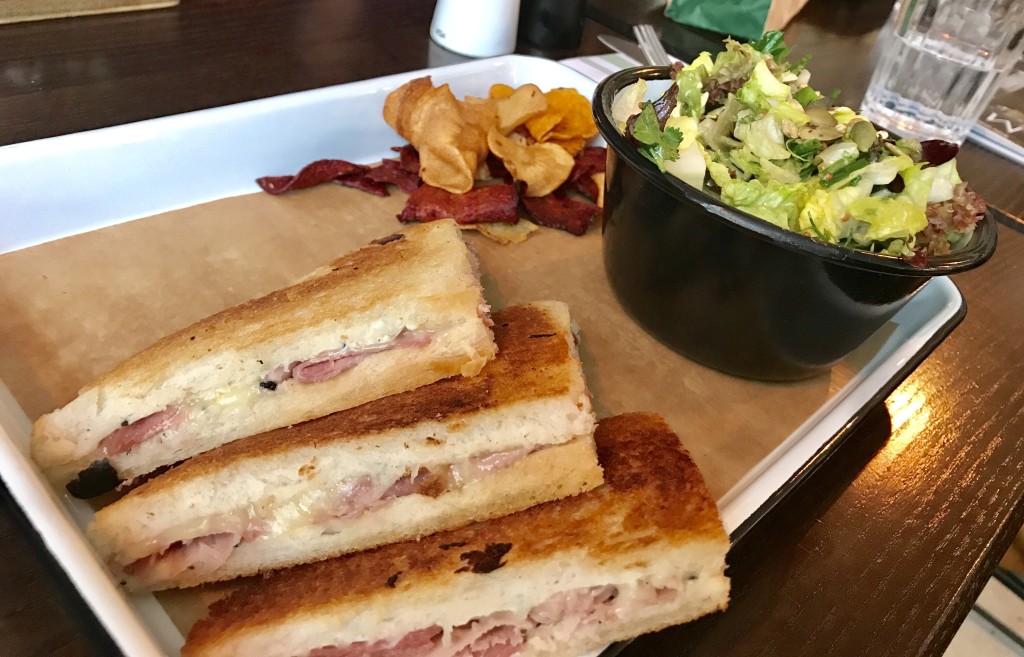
{"x": 880, "y": 552}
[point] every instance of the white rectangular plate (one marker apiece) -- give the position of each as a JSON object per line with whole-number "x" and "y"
{"x": 126, "y": 172}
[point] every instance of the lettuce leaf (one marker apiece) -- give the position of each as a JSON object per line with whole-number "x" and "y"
{"x": 762, "y": 88}
{"x": 772, "y": 201}
{"x": 658, "y": 145}
{"x": 882, "y": 219}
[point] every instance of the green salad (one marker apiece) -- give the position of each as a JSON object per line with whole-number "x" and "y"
{"x": 747, "y": 124}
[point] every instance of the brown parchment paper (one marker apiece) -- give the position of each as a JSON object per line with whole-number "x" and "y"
{"x": 73, "y": 308}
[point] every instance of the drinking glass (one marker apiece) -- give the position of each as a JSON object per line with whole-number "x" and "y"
{"x": 938, "y": 62}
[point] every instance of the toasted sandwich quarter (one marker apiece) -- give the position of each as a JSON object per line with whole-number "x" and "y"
{"x": 438, "y": 457}
{"x": 400, "y": 313}
{"x": 644, "y": 551}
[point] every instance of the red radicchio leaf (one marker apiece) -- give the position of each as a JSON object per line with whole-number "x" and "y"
{"x": 315, "y": 173}
{"x": 493, "y": 203}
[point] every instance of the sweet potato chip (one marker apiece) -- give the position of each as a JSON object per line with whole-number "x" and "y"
{"x": 543, "y": 167}
{"x": 499, "y": 91}
{"x": 571, "y": 146}
{"x": 540, "y": 126}
{"x": 577, "y": 117}
{"x": 568, "y": 118}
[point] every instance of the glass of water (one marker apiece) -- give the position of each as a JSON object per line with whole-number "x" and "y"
{"x": 937, "y": 65}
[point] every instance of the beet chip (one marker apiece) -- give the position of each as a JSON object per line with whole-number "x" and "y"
{"x": 496, "y": 168}
{"x": 392, "y": 171}
{"x": 315, "y": 173}
{"x": 589, "y": 161}
{"x": 490, "y": 204}
{"x": 556, "y": 210}
{"x": 409, "y": 158}
{"x": 365, "y": 181}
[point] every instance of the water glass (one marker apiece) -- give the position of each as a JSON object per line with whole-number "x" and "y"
{"x": 938, "y": 62}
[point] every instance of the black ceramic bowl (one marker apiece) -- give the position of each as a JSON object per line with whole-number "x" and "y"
{"x": 735, "y": 292}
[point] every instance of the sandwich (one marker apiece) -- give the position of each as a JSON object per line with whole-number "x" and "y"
{"x": 641, "y": 552}
{"x": 400, "y": 313}
{"x": 438, "y": 457}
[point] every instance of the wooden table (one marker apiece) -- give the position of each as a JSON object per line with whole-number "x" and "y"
{"x": 881, "y": 551}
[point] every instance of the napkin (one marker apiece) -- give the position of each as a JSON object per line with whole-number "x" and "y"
{"x": 743, "y": 19}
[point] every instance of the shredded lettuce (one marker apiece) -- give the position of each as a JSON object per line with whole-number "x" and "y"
{"x": 691, "y": 91}
{"x": 772, "y": 201}
{"x": 946, "y": 178}
{"x": 764, "y": 138}
{"x": 762, "y": 88}
{"x": 747, "y": 120}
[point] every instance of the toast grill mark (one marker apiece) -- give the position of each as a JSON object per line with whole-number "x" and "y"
{"x": 390, "y": 238}
{"x": 485, "y": 561}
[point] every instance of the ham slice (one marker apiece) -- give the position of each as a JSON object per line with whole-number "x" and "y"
{"x": 499, "y": 635}
{"x": 359, "y": 496}
{"x": 205, "y": 554}
{"x": 414, "y": 644}
{"x": 126, "y": 437}
{"x": 206, "y": 543}
{"x": 328, "y": 365}
{"x": 504, "y": 634}
{"x": 477, "y": 467}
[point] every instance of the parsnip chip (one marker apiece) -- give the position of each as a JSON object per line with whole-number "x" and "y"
{"x": 525, "y": 102}
{"x": 450, "y": 135}
{"x": 399, "y": 104}
{"x": 508, "y": 233}
{"x": 599, "y": 181}
{"x": 543, "y": 167}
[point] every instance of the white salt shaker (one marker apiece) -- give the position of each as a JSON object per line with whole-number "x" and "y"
{"x": 476, "y": 28}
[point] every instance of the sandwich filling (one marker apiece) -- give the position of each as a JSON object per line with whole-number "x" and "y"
{"x": 545, "y": 626}
{"x": 181, "y": 418}
{"x": 204, "y": 545}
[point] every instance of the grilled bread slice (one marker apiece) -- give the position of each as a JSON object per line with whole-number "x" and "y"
{"x": 641, "y": 552}
{"x": 438, "y": 457}
{"x": 403, "y": 312}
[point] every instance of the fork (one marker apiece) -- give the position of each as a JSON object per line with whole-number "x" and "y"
{"x": 649, "y": 42}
